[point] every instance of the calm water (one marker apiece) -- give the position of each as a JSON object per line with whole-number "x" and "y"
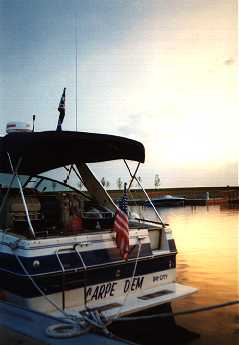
{"x": 207, "y": 243}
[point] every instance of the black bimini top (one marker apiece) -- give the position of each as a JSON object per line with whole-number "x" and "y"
{"x": 43, "y": 151}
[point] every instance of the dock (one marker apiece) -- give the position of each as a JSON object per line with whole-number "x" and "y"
{"x": 193, "y": 196}
{"x": 35, "y": 325}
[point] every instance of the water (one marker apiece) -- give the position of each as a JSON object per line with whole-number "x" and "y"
{"x": 207, "y": 243}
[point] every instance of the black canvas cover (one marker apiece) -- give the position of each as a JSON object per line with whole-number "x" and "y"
{"x": 43, "y": 151}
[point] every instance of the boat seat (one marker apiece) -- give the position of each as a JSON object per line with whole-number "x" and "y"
{"x": 15, "y": 211}
{"x": 13, "y": 215}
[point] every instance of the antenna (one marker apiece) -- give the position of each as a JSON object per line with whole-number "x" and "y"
{"x": 76, "y": 70}
{"x": 33, "y": 122}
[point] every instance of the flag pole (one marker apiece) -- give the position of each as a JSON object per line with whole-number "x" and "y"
{"x": 61, "y": 109}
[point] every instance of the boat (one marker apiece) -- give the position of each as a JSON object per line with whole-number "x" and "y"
{"x": 165, "y": 201}
{"x": 59, "y": 251}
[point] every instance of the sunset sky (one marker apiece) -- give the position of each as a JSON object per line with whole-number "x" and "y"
{"x": 162, "y": 72}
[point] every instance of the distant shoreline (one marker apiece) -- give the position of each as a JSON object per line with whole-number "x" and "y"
{"x": 213, "y": 195}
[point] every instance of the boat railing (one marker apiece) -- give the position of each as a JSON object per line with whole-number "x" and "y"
{"x": 61, "y": 251}
{"x": 64, "y": 270}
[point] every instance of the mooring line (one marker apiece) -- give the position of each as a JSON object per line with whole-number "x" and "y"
{"x": 179, "y": 313}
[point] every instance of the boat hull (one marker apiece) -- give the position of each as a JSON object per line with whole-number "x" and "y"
{"x": 78, "y": 273}
{"x": 124, "y": 296}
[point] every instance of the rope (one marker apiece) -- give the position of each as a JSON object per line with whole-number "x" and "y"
{"x": 37, "y": 287}
{"x": 95, "y": 318}
{"x": 179, "y": 313}
{"x": 63, "y": 331}
{"x": 131, "y": 279}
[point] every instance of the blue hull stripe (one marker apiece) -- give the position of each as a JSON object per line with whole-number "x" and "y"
{"x": 70, "y": 261}
{"x": 52, "y": 283}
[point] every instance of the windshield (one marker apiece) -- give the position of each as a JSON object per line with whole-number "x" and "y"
{"x": 39, "y": 183}
{"x": 5, "y": 180}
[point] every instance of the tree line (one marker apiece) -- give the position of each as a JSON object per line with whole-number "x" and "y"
{"x": 119, "y": 182}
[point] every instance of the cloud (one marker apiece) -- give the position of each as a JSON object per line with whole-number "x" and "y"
{"x": 135, "y": 127}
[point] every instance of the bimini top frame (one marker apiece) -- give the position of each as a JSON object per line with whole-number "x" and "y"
{"x": 43, "y": 151}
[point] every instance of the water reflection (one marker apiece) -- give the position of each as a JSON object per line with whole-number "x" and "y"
{"x": 207, "y": 243}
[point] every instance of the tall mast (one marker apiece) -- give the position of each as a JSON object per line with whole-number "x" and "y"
{"x": 76, "y": 71}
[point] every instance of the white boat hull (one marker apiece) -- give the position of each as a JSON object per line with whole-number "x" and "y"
{"x": 124, "y": 296}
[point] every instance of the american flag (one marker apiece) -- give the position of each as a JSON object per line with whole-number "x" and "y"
{"x": 121, "y": 226}
{"x": 61, "y": 109}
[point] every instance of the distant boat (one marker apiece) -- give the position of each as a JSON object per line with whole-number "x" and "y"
{"x": 166, "y": 201}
